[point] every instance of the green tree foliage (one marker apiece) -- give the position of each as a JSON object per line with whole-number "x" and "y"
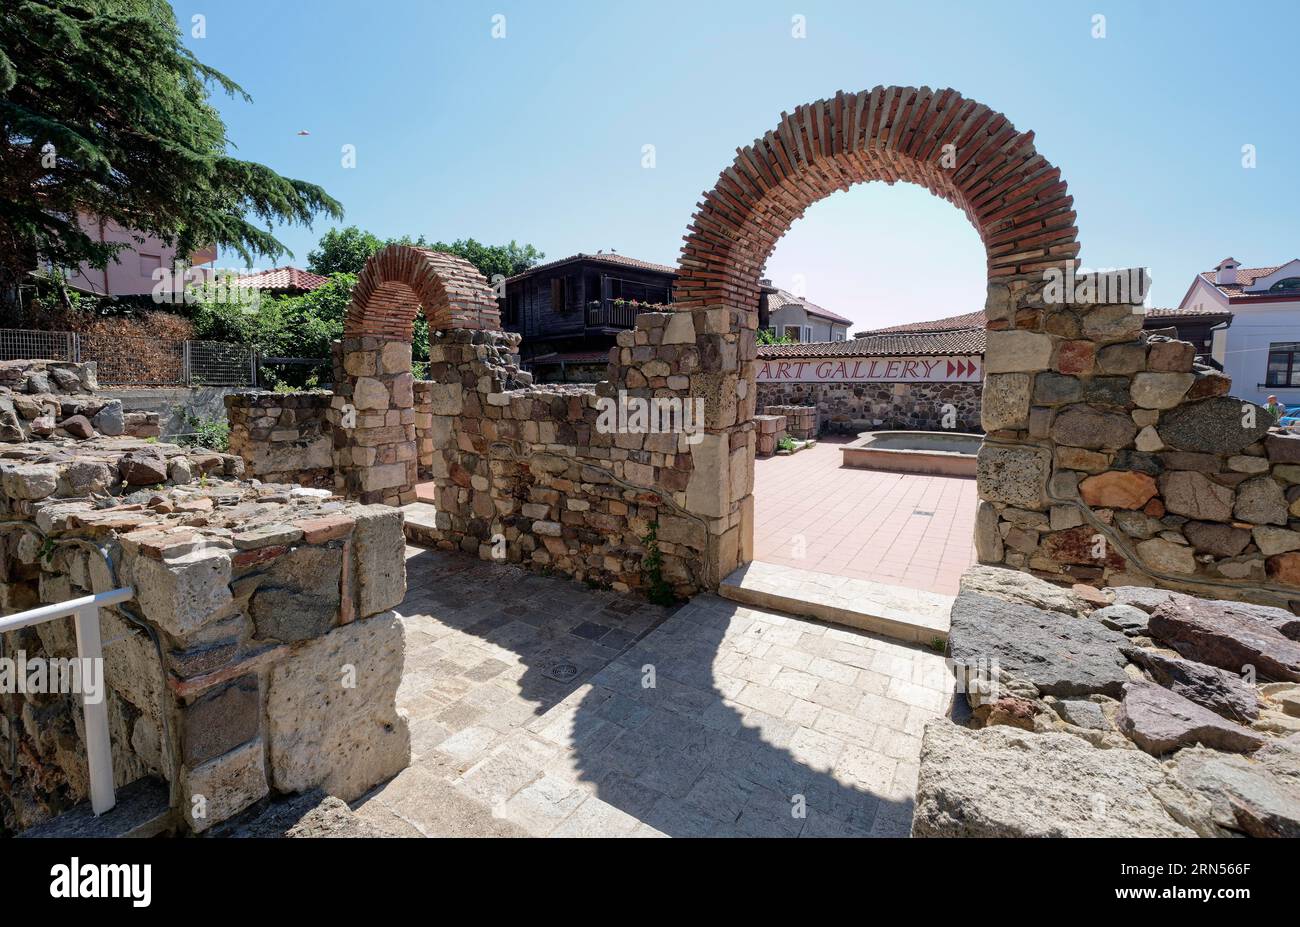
{"x": 304, "y": 326}
{"x": 767, "y": 336}
{"x": 282, "y": 326}
{"x": 103, "y": 111}
{"x": 346, "y": 251}
{"x": 343, "y": 251}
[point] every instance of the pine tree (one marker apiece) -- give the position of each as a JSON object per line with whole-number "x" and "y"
{"x": 103, "y": 111}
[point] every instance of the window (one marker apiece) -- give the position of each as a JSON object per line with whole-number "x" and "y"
{"x": 1287, "y": 285}
{"x": 794, "y": 333}
{"x": 1283, "y": 364}
{"x": 149, "y": 263}
{"x": 559, "y": 296}
{"x": 837, "y": 335}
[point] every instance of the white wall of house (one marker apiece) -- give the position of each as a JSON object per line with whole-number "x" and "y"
{"x": 1256, "y": 327}
{"x": 1253, "y": 331}
{"x": 814, "y": 327}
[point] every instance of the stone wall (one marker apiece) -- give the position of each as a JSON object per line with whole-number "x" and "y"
{"x": 530, "y": 474}
{"x": 45, "y": 398}
{"x": 769, "y": 431}
{"x": 851, "y": 408}
{"x": 259, "y": 654}
{"x": 283, "y": 437}
{"x": 801, "y": 422}
{"x": 372, "y": 419}
{"x": 424, "y": 436}
{"x": 1111, "y": 458}
{"x": 174, "y": 408}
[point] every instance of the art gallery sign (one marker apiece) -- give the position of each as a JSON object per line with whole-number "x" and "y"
{"x": 920, "y": 369}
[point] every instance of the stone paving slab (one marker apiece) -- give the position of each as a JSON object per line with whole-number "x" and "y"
{"x": 712, "y": 720}
{"x": 911, "y": 615}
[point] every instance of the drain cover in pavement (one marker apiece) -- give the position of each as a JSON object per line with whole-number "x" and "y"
{"x": 561, "y": 672}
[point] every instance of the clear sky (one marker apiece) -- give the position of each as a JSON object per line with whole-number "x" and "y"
{"x": 538, "y": 136}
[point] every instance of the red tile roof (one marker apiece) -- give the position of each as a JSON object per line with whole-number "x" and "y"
{"x": 282, "y": 278}
{"x": 779, "y": 299}
{"x": 951, "y": 323}
{"x": 1245, "y": 277}
{"x": 614, "y": 260}
{"x": 1175, "y": 314}
{"x": 948, "y": 343}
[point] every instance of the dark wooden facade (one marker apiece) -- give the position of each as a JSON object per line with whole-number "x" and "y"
{"x": 578, "y": 305}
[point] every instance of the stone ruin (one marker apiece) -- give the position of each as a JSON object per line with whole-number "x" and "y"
{"x": 1109, "y": 457}
{"x": 1122, "y": 712}
{"x": 1109, "y": 460}
{"x": 226, "y": 671}
{"x": 44, "y": 398}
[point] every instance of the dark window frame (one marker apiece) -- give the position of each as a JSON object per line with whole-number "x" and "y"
{"x": 1290, "y": 350}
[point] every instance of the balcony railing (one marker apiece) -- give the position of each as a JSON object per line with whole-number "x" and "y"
{"x": 617, "y": 313}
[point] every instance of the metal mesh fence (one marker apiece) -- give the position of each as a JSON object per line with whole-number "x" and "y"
{"x": 216, "y": 363}
{"x": 22, "y": 344}
{"x": 125, "y": 361}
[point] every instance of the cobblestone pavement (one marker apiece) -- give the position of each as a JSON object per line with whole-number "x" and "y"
{"x": 541, "y": 707}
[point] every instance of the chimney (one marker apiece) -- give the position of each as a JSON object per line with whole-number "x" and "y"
{"x": 766, "y": 281}
{"x": 1226, "y": 273}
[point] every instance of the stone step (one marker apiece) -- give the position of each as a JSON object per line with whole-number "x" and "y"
{"x": 896, "y": 612}
{"x": 418, "y": 522}
{"x": 142, "y": 810}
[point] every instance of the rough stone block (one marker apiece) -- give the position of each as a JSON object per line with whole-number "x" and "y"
{"x": 332, "y": 716}
{"x": 1013, "y": 474}
{"x": 379, "y": 547}
{"x": 220, "y": 720}
{"x": 1005, "y": 401}
{"x": 1017, "y": 351}
{"x": 226, "y": 785}
{"x": 184, "y": 593}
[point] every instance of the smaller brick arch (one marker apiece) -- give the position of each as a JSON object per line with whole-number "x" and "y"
{"x": 397, "y": 281}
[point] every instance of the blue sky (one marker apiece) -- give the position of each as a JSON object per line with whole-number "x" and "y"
{"x": 538, "y": 136}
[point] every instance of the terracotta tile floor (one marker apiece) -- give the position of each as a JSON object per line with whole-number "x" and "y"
{"x": 895, "y": 528}
{"x": 811, "y": 513}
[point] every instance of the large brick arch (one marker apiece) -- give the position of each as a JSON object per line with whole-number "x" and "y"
{"x": 958, "y": 149}
{"x": 1013, "y": 196}
{"x": 400, "y": 278}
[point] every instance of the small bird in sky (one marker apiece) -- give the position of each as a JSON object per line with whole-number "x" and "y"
{"x": 303, "y": 132}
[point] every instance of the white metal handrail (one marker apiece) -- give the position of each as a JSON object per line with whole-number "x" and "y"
{"x": 85, "y": 614}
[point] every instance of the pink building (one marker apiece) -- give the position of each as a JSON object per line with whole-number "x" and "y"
{"x": 133, "y": 272}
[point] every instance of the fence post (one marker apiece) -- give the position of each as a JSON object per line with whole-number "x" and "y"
{"x": 185, "y": 363}
{"x": 254, "y": 366}
{"x": 74, "y": 347}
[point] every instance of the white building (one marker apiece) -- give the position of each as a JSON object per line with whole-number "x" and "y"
{"x": 797, "y": 319}
{"x": 1261, "y": 350}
